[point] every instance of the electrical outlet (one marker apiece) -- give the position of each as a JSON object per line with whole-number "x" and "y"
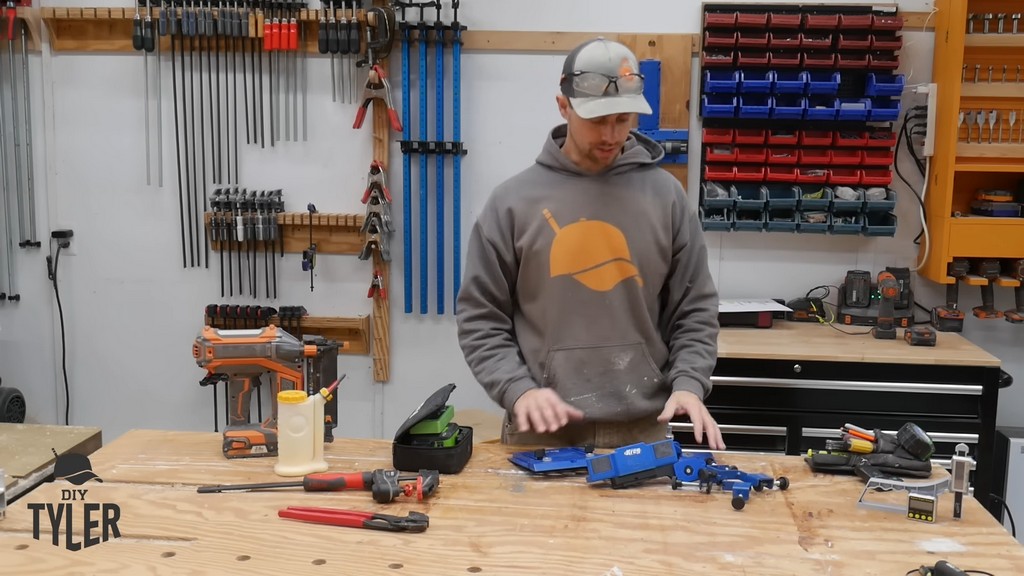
{"x": 929, "y": 137}
{"x": 63, "y": 237}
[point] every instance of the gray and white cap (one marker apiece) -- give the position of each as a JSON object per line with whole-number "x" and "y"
{"x": 602, "y": 77}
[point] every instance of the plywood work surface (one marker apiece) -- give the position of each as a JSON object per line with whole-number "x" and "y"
{"x": 491, "y": 519}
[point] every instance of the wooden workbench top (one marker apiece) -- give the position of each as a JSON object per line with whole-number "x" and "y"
{"x": 491, "y": 519}
{"x": 811, "y": 341}
{"x": 26, "y": 451}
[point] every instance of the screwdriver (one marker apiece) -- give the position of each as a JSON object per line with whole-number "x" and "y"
{"x": 137, "y": 30}
{"x": 320, "y": 482}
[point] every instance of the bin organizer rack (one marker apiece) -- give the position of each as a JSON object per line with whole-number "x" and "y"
{"x": 798, "y": 106}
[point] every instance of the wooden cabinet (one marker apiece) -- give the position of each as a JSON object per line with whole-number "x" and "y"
{"x": 975, "y": 72}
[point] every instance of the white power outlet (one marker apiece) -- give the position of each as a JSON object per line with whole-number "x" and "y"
{"x": 929, "y": 137}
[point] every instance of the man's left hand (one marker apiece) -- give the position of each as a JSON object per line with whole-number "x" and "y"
{"x": 683, "y": 402}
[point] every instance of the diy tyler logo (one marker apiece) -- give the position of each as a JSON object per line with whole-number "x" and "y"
{"x": 98, "y": 521}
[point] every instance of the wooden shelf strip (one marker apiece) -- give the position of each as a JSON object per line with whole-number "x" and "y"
{"x": 355, "y": 331}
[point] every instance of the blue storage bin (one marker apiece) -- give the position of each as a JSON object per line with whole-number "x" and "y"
{"x": 717, "y": 106}
{"x": 750, "y": 196}
{"x": 721, "y": 81}
{"x": 789, "y": 82}
{"x": 845, "y": 205}
{"x": 884, "y": 110}
{"x": 820, "y": 108}
{"x": 749, "y": 220}
{"x": 853, "y": 109}
{"x": 880, "y": 224}
{"x": 822, "y": 81}
{"x": 847, "y": 223}
{"x": 782, "y": 196}
{"x": 884, "y": 84}
{"x": 711, "y": 198}
{"x": 886, "y": 205}
{"x": 812, "y": 221}
{"x": 716, "y": 219}
{"x": 782, "y": 221}
{"x": 814, "y": 197}
{"x": 789, "y": 106}
{"x": 755, "y": 82}
{"x": 755, "y": 106}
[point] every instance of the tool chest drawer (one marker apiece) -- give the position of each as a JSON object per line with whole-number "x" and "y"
{"x": 790, "y": 406}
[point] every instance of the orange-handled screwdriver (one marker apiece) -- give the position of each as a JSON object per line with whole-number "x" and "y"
{"x": 320, "y": 482}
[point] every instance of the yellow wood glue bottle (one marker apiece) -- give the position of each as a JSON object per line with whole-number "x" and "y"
{"x": 300, "y": 432}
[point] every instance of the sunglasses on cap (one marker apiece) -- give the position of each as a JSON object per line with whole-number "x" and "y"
{"x": 596, "y": 84}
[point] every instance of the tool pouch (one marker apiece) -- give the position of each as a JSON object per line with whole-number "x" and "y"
{"x": 430, "y": 440}
{"x": 843, "y": 463}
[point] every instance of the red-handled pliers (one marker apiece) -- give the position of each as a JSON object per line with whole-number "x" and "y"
{"x": 414, "y": 522}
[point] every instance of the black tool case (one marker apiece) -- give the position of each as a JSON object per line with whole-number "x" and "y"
{"x": 446, "y": 460}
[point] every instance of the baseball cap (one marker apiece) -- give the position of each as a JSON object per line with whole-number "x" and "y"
{"x": 602, "y": 77}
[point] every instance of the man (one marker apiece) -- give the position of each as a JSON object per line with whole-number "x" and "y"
{"x": 587, "y": 309}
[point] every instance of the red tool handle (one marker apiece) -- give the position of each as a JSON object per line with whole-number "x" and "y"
{"x": 330, "y": 482}
{"x": 326, "y": 516}
{"x": 396, "y": 124}
{"x": 360, "y": 115}
{"x": 293, "y": 35}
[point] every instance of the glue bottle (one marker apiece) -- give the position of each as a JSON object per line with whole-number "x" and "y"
{"x": 300, "y": 433}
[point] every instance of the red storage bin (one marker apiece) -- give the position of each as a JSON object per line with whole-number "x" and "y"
{"x": 815, "y": 138}
{"x": 752, "y": 39}
{"x": 819, "y": 59}
{"x": 749, "y": 136}
{"x": 881, "y": 139}
{"x": 852, "y": 60}
{"x": 717, "y": 135}
{"x": 748, "y": 154}
{"x": 718, "y": 58}
{"x": 850, "y": 139}
{"x": 811, "y": 175}
{"x": 876, "y": 177}
{"x": 785, "y": 59}
{"x": 722, "y": 172}
{"x": 785, "y": 156}
{"x": 878, "y": 157}
{"x": 783, "y": 137}
{"x": 778, "y": 20}
{"x": 815, "y": 156}
{"x": 752, "y": 58}
{"x": 780, "y": 174}
{"x": 883, "y": 62}
{"x": 719, "y": 19}
{"x": 720, "y": 39}
{"x": 750, "y": 173}
{"x": 821, "y": 21}
{"x": 822, "y": 40}
{"x": 784, "y": 40}
{"x": 847, "y": 176}
{"x": 854, "y": 21}
{"x": 887, "y": 22}
{"x": 886, "y": 42}
{"x": 720, "y": 153}
{"x": 849, "y": 41}
{"x": 751, "y": 19}
{"x": 847, "y": 157}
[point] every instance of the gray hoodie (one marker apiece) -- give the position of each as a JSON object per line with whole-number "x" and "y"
{"x": 596, "y": 286}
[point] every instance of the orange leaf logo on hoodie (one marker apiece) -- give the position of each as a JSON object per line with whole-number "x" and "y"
{"x": 594, "y": 253}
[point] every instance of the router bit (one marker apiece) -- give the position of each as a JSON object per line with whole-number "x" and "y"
{"x": 977, "y": 70}
{"x": 1016, "y": 20}
{"x": 1004, "y": 73}
{"x": 986, "y": 19}
{"x": 989, "y": 74}
{"x": 970, "y": 23}
{"x": 963, "y": 75}
{"x": 1000, "y": 18}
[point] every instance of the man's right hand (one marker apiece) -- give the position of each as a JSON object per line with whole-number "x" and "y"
{"x": 543, "y": 411}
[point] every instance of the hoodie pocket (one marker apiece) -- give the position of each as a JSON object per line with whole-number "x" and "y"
{"x": 610, "y": 382}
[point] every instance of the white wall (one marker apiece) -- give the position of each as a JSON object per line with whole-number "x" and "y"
{"x": 132, "y": 311}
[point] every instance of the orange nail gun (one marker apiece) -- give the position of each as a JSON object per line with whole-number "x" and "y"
{"x": 241, "y": 357}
